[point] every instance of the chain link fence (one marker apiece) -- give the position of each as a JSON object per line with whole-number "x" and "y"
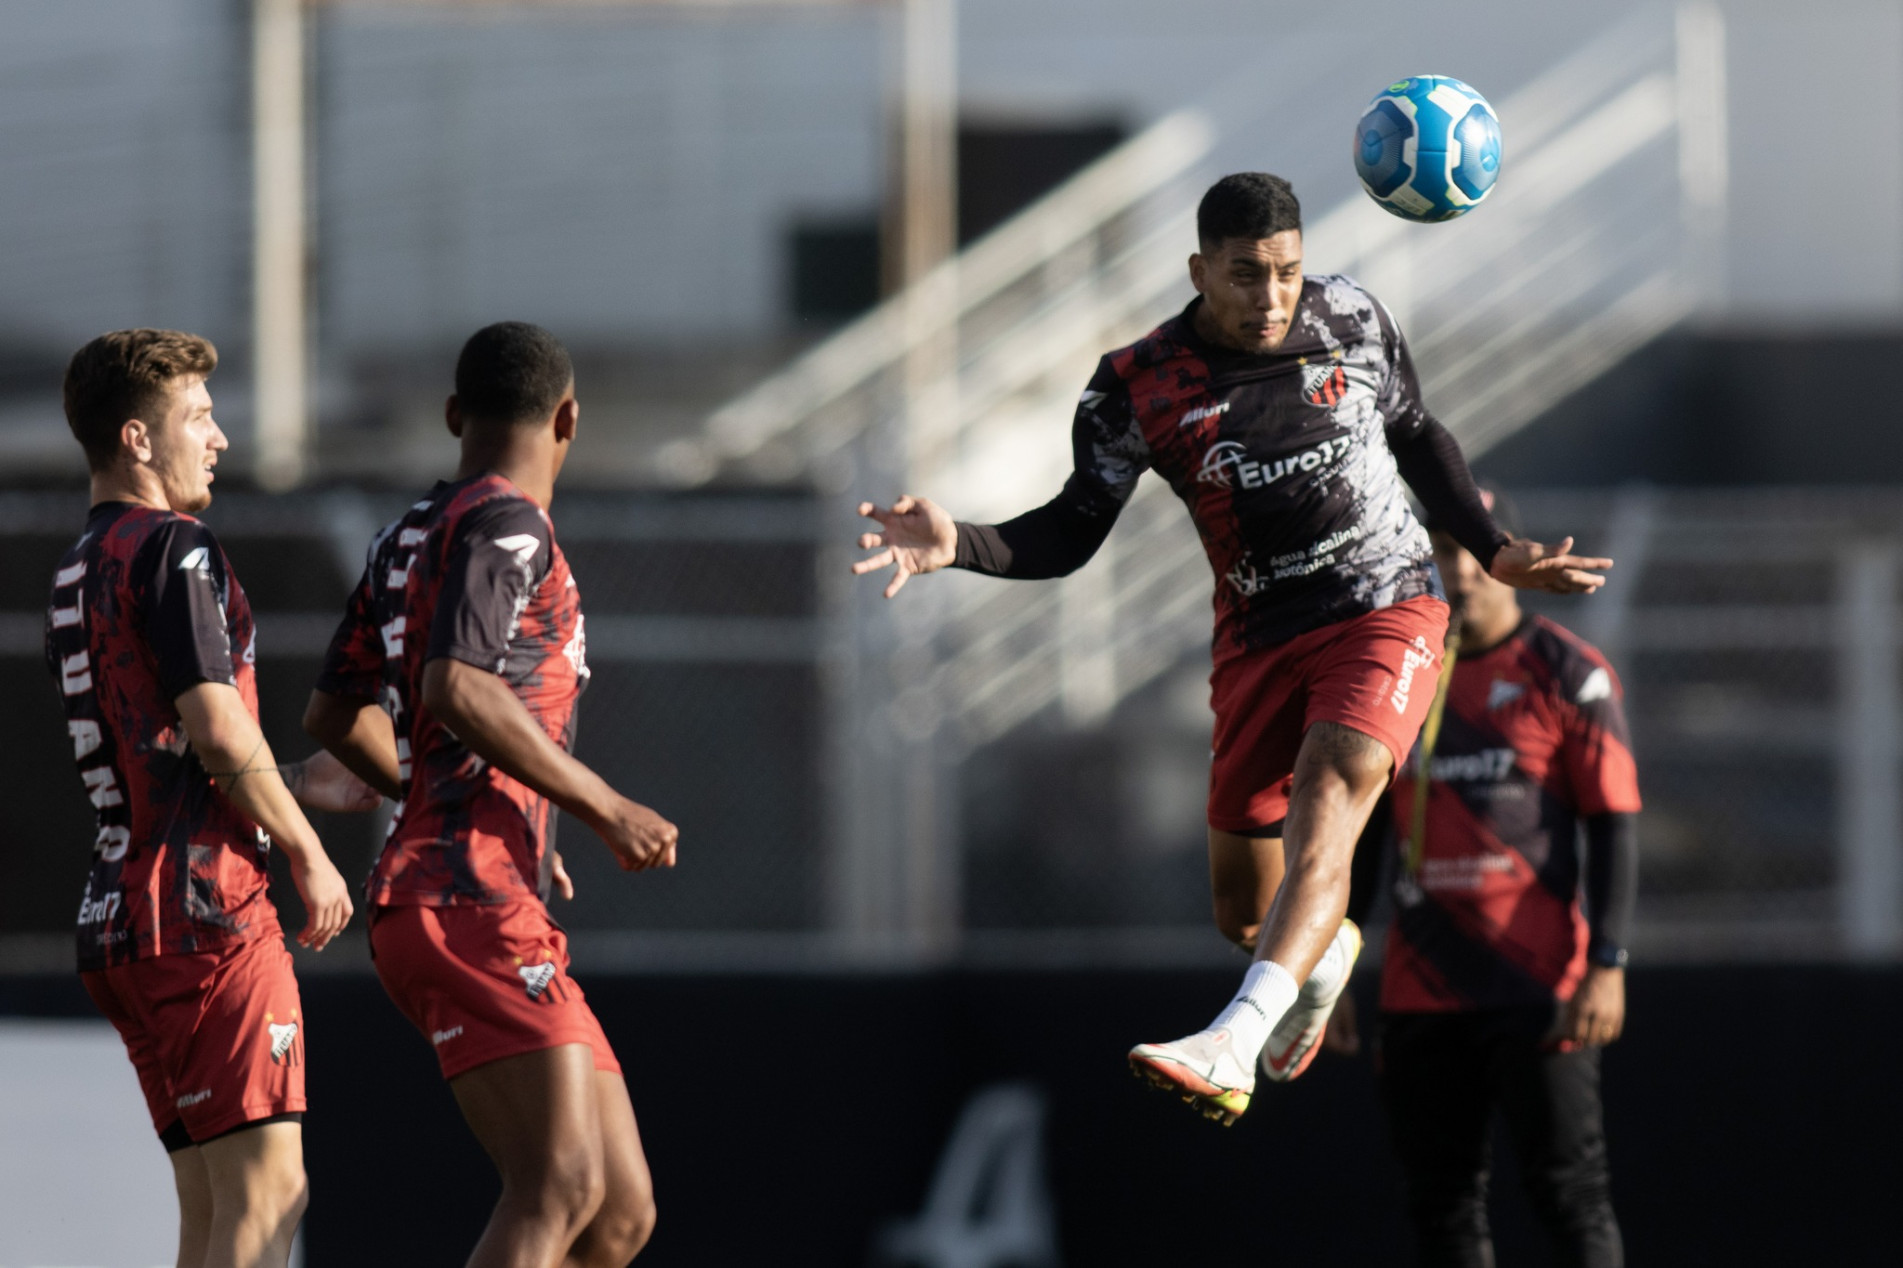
{"x": 1756, "y": 633}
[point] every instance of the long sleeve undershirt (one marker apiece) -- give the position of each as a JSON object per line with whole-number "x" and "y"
{"x": 1054, "y": 540}
{"x": 1430, "y": 461}
{"x": 1611, "y": 875}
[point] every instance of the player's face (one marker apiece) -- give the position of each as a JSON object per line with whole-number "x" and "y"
{"x": 185, "y": 444}
{"x": 1250, "y": 287}
{"x": 1475, "y": 596}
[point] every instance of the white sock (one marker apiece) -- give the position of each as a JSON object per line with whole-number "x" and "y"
{"x": 1267, "y": 991}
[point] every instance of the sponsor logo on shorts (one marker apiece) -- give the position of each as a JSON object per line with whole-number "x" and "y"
{"x": 536, "y": 978}
{"x": 193, "y": 1098}
{"x": 1417, "y": 657}
{"x": 441, "y": 1037}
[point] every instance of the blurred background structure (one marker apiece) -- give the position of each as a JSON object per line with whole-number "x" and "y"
{"x": 809, "y": 252}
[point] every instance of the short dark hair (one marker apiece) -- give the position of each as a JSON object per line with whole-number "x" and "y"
{"x": 123, "y": 375}
{"x": 1248, "y": 205}
{"x": 512, "y": 372}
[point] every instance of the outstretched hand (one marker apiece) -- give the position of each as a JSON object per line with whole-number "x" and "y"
{"x": 919, "y": 537}
{"x": 1528, "y": 565}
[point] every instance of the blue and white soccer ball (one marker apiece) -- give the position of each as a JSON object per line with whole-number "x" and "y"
{"x": 1428, "y": 148}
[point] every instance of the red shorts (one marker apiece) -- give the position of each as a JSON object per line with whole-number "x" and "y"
{"x": 217, "y": 1037}
{"x": 484, "y": 982}
{"x": 1375, "y": 673}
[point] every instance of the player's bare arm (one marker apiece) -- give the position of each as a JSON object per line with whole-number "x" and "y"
{"x": 233, "y": 750}
{"x": 358, "y": 733}
{"x": 490, "y": 718}
{"x": 917, "y": 536}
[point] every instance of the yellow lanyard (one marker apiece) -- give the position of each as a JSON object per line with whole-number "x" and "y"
{"x": 1430, "y": 736}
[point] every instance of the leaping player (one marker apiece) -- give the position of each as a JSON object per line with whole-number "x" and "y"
{"x": 150, "y": 640}
{"x": 452, "y": 684}
{"x": 1285, "y": 412}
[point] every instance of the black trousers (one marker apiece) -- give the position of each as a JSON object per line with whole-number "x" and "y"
{"x": 1442, "y": 1076}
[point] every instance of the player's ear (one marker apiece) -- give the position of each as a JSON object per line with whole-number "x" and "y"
{"x": 1198, "y": 270}
{"x": 453, "y": 416}
{"x": 567, "y": 416}
{"x": 135, "y": 438}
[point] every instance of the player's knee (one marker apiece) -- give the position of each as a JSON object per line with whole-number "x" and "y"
{"x": 621, "y": 1229}
{"x": 278, "y": 1192}
{"x": 573, "y": 1185}
{"x": 1238, "y": 922}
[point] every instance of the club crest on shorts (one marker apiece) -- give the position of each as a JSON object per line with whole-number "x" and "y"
{"x": 283, "y": 1038}
{"x": 536, "y": 978}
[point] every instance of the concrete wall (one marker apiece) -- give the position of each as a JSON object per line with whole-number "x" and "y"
{"x": 630, "y": 173}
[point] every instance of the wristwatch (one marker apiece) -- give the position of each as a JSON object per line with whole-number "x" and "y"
{"x": 1606, "y": 954}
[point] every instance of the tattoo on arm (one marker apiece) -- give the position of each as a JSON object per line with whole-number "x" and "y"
{"x": 228, "y": 779}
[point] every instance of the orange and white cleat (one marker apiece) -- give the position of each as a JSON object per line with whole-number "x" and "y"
{"x": 1297, "y": 1037}
{"x": 1203, "y": 1069}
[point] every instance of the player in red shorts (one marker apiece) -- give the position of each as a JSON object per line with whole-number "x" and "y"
{"x": 150, "y": 640}
{"x": 1285, "y": 412}
{"x": 452, "y": 684}
{"x": 1498, "y": 990}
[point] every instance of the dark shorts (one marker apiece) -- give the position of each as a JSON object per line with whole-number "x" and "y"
{"x": 1375, "y": 673}
{"x": 217, "y": 1037}
{"x": 484, "y": 982}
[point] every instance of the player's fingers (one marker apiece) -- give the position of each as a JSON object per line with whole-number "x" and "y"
{"x": 898, "y": 580}
{"x": 884, "y": 559}
{"x": 870, "y": 541}
{"x": 905, "y": 505}
{"x": 871, "y": 511}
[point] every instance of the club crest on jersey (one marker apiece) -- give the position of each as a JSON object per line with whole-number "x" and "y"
{"x": 536, "y": 978}
{"x": 282, "y": 1037}
{"x": 1324, "y": 385}
{"x": 1503, "y": 693}
{"x": 197, "y": 560}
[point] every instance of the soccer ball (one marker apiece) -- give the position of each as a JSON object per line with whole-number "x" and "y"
{"x": 1428, "y": 148}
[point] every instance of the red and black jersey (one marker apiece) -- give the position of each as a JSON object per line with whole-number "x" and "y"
{"x": 145, "y": 606}
{"x": 1283, "y": 460}
{"x": 472, "y": 573}
{"x": 1533, "y": 738}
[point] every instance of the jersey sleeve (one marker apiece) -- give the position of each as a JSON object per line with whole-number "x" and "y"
{"x": 1107, "y": 444}
{"x": 1597, "y": 747}
{"x": 184, "y": 582}
{"x": 1403, "y": 412}
{"x": 353, "y": 664}
{"x": 497, "y": 560}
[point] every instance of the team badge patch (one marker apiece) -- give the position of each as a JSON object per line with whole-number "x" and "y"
{"x": 1324, "y": 385}
{"x": 536, "y": 978}
{"x": 283, "y": 1039}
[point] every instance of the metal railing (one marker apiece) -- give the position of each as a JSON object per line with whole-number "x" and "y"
{"x": 1595, "y": 242}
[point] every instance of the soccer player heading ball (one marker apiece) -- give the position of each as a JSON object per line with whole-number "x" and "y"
{"x": 1285, "y": 412}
